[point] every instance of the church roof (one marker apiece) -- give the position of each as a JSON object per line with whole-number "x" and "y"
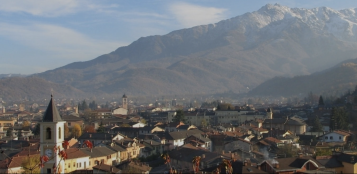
{"x": 51, "y": 114}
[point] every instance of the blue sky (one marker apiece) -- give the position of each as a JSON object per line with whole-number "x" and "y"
{"x": 40, "y": 35}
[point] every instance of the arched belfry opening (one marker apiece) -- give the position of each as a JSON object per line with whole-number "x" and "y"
{"x": 48, "y": 133}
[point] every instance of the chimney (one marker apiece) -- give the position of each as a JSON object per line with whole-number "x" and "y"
{"x": 151, "y": 142}
{"x": 223, "y": 152}
{"x": 203, "y": 156}
{"x": 90, "y": 135}
{"x": 245, "y": 163}
{"x": 300, "y": 155}
{"x": 276, "y": 165}
{"x": 258, "y": 167}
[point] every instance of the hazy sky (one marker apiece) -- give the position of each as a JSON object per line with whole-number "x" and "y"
{"x": 36, "y": 36}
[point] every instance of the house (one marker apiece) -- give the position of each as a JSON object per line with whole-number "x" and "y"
{"x": 137, "y": 125}
{"x": 99, "y": 155}
{"x": 185, "y": 127}
{"x": 293, "y": 124}
{"x": 150, "y": 130}
{"x": 199, "y": 140}
{"x": 6, "y": 123}
{"x": 331, "y": 162}
{"x": 336, "y": 136}
{"x": 120, "y": 111}
{"x": 348, "y": 162}
{"x": 172, "y": 127}
{"x": 238, "y": 144}
{"x": 101, "y": 113}
{"x": 291, "y": 165}
{"x": 105, "y": 169}
{"x": 120, "y": 152}
{"x": 176, "y": 139}
{"x": 25, "y": 131}
{"x": 72, "y": 120}
{"x": 13, "y": 165}
{"x": 136, "y": 167}
{"x": 244, "y": 167}
{"x": 99, "y": 138}
{"x": 198, "y": 118}
{"x": 132, "y": 147}
{"x": 76, "y": 160}
{"x": 128, "y": 131}
{"x": 217, "y": 142}
{"x": 181, "y": 158}
{"x": 151, "y": 148}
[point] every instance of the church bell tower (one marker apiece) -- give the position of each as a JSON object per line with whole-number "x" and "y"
{"x": 51, "y": 136}
{"x": 125, "y": 102}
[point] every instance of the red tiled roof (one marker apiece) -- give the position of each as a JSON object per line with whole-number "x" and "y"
{"x": 342, "y": 132}
{"x": 272, "y": 139}
{"x": 73, "y": 153}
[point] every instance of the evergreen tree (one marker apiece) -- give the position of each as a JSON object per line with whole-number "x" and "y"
{"x": 93, "y": 105}
{"x": 316, "y": 127}
{"x": 80, "y": 106}
{"x": 9, "y": 132}
{"x": 107, "y": 104}
{"x": 36, "y": 131}
{"x": 101, "y": 127}
{"x": 84, "y": 105}
{"x": 180, "y": 116}
{"x": 339, "y": 119}
{"x": 19, "y": 134}
{"x": 321, "y": 101}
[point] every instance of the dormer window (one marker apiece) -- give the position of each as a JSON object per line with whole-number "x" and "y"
{"x": 48, "y": 133}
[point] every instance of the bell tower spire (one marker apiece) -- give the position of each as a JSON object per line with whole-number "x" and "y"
{"x": 125, "y": 102}
{"x": 51, "y": 136}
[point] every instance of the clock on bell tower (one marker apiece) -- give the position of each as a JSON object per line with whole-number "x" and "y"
{"x": 51, "y": 136}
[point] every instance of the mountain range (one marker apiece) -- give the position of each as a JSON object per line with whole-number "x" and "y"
{"x": 236, "y": 54}
{"x": 331, "y": 82}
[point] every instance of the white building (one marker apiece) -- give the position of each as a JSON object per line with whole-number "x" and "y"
{"x": 120, "y": 111}
{"x": 335, "y": 136}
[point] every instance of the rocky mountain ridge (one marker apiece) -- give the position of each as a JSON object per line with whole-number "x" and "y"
{"x": 236, "y": 54}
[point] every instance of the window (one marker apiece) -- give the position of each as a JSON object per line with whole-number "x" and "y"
{"x": 80, "y": 164}
{"x": 69, "y": 124}
{"x": 331, "y": 137}
{"x": 326, "y": 137}
{"x": 74, "y": 164}
{"x": 49, "y": 171}
{"x": 48, "y": 133}
{"x": 59, "y": 133}
{"x": 96, "y": 162}
{"x": 102, "y": 161}
{"x": 69, "y": 165}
